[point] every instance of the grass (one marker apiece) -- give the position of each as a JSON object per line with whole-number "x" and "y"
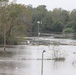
{"x": 59, "y": 59}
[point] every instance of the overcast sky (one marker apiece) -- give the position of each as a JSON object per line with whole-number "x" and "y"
{"x": 51, "y": 4}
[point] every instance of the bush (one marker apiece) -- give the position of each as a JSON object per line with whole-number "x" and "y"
{"x": 12, "y": 40}
{"x": 57, "y": 54}
{"x": 68, "y": 30}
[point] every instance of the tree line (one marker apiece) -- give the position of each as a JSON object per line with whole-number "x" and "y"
{"x": 18, "y": 20}
{"x": 56, "y": 21}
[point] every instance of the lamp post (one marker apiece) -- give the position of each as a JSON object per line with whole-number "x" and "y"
{"x": 39, "y": 22}
{"x": 38, "y": 27}
{"x": 42, "y": 62}
{"x": 38, "y": 31}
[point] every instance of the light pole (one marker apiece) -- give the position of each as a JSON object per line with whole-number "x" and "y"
{"x": 38, "y": 27}
{"x": 39, "y": 22}
{"x": 42, "y": 62}
{"x": 38, "y": 31}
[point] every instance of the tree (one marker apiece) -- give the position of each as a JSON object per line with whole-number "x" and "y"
{"x": 57, "y": 26}
{"x": 47, "y": 22}
{"x": 70, "y": 27}
{"x": 14, "y": 19}
{"x": 73, "y": 15}
{"x": 37, "y": 15}
{"x": 3, "y": 4}
{"x": 56, "y": 14}
{"x": 68, "y": 30}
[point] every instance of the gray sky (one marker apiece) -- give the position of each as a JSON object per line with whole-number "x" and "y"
{"x": 51, "y": 4}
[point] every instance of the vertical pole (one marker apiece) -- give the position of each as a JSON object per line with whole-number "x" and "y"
{"x": 38, "y": 33}
{"x": 42, "y": 65}
{"x": 42, "y": 62}
{"x": 4, "y": 37}
{"x": 38, "y": 22}
{"x": 38, "y": 29}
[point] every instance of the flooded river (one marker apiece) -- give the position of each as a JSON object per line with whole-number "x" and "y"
{"x": 26, "y": 59}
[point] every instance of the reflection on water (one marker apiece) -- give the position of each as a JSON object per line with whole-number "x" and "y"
{"x": 57, "y": 64}
{"x": 26, "y": 60}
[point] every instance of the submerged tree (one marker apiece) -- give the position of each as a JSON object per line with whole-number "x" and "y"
{"x": 57, "y": 53}
{"x": 3, "y": 5}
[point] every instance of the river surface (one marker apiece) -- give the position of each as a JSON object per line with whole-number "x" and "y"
{"x": 26, "y": 59}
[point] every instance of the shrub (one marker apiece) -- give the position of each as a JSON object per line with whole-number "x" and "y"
{"x": 68, "y": 30}
{"x": 57, "y": 54}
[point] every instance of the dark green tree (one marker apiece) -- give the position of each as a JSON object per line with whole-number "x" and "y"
{"x": 37, "y": 15}
{"x": 47, "y": 22}
{"x": 57, "y": 26}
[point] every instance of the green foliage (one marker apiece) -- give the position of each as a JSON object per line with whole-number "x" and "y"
{"x": 47, "y": 22}
{"x": 20, "y": 20}
{"x": 70, "y": 27}
{"x": 1, "y": 39}
{"x": 37, "y": 15}
{"x": 58, "y": 20}
{"x": 4, "y": 0}
{"x": 57, "y": 26}
{"x": 52, "y": 21}
{"x": 68, "y": 30}
{"x": 14, "y": 21}
{"x": 12, "y": 40}
{"x": 73, "y": 15}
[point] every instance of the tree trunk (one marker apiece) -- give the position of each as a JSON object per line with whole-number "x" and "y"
{"x": 4, "y": 37}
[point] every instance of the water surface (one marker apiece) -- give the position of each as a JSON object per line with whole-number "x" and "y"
{"x": 26, "y": 59}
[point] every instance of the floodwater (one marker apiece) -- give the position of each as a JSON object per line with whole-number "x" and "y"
{"x": 26, "y": 59}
